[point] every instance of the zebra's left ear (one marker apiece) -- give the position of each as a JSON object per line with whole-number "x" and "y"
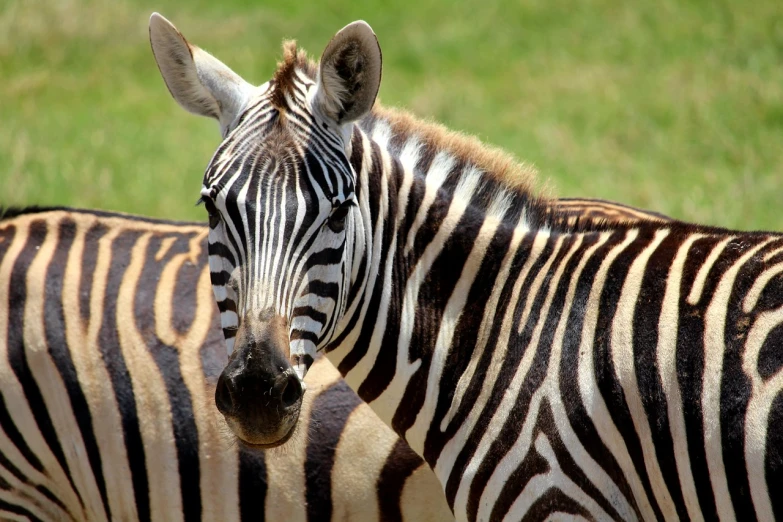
{"x": 350, "y": 73}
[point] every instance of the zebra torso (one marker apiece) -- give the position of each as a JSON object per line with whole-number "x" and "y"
{"x": 542, "y": 367}
{"x": 109, "y": 351}
{"x": 610, "y": 372}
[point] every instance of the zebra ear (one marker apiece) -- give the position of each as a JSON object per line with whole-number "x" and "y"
{"x": 350, "y": 73}
{"x": 199, "y": 82}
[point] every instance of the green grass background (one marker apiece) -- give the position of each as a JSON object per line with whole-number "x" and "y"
{"x": 673, "y": 105}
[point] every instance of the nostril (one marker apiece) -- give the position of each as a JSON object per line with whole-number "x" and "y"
{"x": 224, "y": 398}
{"x": 292, "y": 391}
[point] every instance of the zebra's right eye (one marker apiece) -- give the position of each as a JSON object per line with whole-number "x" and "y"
{"x": 212, "y": 211}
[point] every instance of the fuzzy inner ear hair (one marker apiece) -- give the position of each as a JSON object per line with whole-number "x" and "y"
{"x": 350, "y": 73}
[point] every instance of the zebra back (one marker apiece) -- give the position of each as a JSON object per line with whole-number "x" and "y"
{"x": 110, "y": 347}
{"x": 570, "y": 211}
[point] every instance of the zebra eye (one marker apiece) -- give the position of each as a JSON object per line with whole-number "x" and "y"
{"x": 212, "y": 211}
{"x": 336, "y": 220}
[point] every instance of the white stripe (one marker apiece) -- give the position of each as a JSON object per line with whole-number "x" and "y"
{"x": 698, "y": 283}
{"x": 445, "y": 461}
{"x": 624, "y": 362}
{"x": 668, "y": 323}
{"x": 588, "y": 387}
{"x": 486, "y": 324}
{"x": 388, "y": 402}
{"x": 436, "y": 176}
{"x": 714, "y": 352}
{"x": 765, "y": 390}
{"x": 512, "y": 392}
{"x": 540, "y": 484}
{"x": 449, "y": 322}
{"x": 514, "y": 457}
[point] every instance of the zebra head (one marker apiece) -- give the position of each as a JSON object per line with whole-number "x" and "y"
{"x": 283, "y": 214}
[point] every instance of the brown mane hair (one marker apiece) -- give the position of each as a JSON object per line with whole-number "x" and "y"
{"x": 285, "y": 74}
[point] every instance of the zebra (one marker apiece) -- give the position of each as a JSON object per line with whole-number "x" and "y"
{"x": 542, "y": 369}
{"x": 110, "y": 347}
{"x": 182, "y": 442}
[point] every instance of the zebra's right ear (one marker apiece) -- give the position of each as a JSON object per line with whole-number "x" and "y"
{"x": 199, "y": 82}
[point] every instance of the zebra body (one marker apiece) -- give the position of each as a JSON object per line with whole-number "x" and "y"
{"x": 542, "y": 367}
{"x": 110, "y": 347}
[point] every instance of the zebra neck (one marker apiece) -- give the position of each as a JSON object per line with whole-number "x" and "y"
{"x": 442, "y": 233}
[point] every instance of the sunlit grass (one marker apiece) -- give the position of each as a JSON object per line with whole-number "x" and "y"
{"x": 675, "y": 106}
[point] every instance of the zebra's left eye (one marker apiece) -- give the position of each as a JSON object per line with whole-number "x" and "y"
{"x": 212, "y": 211}
{"x": 336, "y": 220}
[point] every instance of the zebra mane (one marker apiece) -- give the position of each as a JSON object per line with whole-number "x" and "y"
{"x": 493, "y": 161}
{"x": 283, "y": 81}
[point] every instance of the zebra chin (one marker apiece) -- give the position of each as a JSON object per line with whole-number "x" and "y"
{"x": 251, "y": 437}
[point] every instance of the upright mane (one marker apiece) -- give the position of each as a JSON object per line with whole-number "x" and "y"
{"x": 294, "y": 59}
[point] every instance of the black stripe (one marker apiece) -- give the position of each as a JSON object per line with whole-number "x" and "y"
{"x": 690, "y": 370}
{"x": 400, "y": 464}
{"x": 434, "y": 294}
{"x": 579, "y": 418}
{"x": 735, "y": 386}
{"x": 323, "y": 289}
{"x": 166, "y": 357}
{"x": 462, "y": 459}
{"x": 645, "y": 355}
{"x": 330, "y": 412}
{"x": 226, "y": 305}
{"x": 535, "y": 375}
{"x": 773, "y": 460}
{"x": 252, "y": 485}
{"x": 310, "y": 312}
{"x": 9, "y": 466}
{"x": 606, "y": 377}
{"x": 88, "y": 261}
{"x": 108, "y": 341}
{"x": 219, "y": 278}
{"x": 304, "y": 335}
{"x": 216, "y": 248}
{"x": 387, "y": 354}
{"x": 16, "y": 437}
{"x": 17, "y": 354}
{"x": 17, "y": 510}
{"x": 54, "y": 318}
{"x": 325, "y": 257}
{"x": 543, "y": 506}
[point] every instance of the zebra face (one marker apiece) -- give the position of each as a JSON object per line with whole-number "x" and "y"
{"x": 280, "y": 193}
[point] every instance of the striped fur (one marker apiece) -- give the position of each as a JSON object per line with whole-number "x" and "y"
{"x": 543, "y": 368}
{"x": 110, "y": 347}
{"x": 409, "y": 489}
{"x": 573, "y": 211}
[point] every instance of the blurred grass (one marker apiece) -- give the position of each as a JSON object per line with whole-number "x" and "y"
{"x": 672, "y": 105}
